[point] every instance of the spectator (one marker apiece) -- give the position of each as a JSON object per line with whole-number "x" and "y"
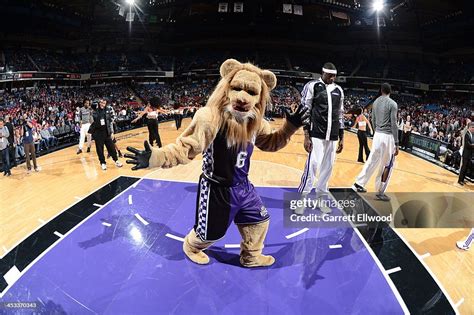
{"x": 19, "y": 149}
{"x": 28, "y": 143}
{"x": 5, "y": 148}
{"x": 11, "y": 140}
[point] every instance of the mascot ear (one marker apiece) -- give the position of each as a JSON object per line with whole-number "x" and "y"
{"x": 228, "y": 66}
{"x": 269, "y": 78}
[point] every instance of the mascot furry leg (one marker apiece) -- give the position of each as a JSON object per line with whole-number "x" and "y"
{"x": 193, "y": 247}
{"x": 251, "y": 246}
{"x": 226, "y": 131}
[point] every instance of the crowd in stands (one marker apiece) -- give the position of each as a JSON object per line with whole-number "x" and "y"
{"x": 54, "y": 110}
{"x": 443, "y": 120}
{"x": 359, "y": 64}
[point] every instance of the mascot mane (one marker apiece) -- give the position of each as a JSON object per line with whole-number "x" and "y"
{"x": 238, "y": 134}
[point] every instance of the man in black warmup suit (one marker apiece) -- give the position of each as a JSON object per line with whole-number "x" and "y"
{"x": 103, "y": 133}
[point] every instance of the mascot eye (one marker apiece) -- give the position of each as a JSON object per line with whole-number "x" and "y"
{"x": 252, "y": 93}
{"x": 237, "y": 89}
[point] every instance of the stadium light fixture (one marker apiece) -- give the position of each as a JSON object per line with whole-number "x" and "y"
{"x": 130, "y": 2}
{"x": 378, "y": 5}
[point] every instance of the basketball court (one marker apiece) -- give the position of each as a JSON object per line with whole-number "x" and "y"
{"x": 110, "y": 242}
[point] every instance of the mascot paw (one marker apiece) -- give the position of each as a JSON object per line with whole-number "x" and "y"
{"x": 259, "y": 261}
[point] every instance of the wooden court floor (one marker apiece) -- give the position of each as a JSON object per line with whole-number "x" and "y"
{"x": 29, "y": 200}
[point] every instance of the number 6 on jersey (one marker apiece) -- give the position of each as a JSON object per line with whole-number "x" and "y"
{"x": 241, "y": 159}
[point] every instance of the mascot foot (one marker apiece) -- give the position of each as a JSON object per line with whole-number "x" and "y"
{"x": 251, "y": 246}
{"x": 193, "y": 247}
{"x": 260, "y": 261}
{"x": 199, "y": 258}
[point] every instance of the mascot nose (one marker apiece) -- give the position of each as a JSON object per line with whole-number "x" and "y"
{"x": 241, "y": 101}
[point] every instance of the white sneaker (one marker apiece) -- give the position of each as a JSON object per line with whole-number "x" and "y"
{"x": 325, "y": 209}
{"x": 462, "y": 245}
{"x": 300, "y": 210}
{"x": 104, "y": 166}
{"x": 118, "y": 163}
{"x": 323, "y": 201}
{"x": 37, "y": 169}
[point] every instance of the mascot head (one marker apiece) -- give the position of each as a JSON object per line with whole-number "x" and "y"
{"x": 239, "y": 100}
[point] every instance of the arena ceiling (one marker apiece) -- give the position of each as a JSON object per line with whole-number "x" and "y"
{"x": 432, "y": 24}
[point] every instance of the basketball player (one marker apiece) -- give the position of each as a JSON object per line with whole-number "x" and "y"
{"x": 466, "y": 244}
{"x": 384, "y": 144}
{"x": 325, "y": 101}
{"x": 85, "y": 120}
{"x": 362, "y": 123}
{"x": 151, "y": 112}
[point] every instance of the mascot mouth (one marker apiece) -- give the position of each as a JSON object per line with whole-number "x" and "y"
{"x": 243, "y": 108}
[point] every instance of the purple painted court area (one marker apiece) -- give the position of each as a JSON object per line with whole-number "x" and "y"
{"x": 133, "y": 268}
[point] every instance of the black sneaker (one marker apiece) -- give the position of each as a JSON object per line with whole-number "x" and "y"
{"x": 79, "y": 151}
{"x": 359, "y": 188}
{"x": 461, "y": 183}
{"x": 88, "y": 149}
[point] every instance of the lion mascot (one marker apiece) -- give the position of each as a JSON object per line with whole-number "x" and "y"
{"x": 225, "y": 132}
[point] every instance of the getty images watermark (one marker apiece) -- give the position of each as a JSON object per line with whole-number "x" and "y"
{"x": 325, "y": 211}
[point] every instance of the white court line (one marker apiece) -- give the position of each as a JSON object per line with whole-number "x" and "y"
{"x": 425, "y": 256}
{"x": 70, "y": 231}
{"x": 41, "y": 221}
{"x": 335, "y": 246}
{"x": 106, "y": 224}
{"x": 130, "y": 201}
{"x": 390, "y": 283}
{"x": 12, "y": 275}
{"x": 40, "y": 226}
{"x": 97, "y": 205}
{"x": 393, "y": 270}
{"x": 139, "y": 217}
{"x": 297, "y": 233}
{"x": 175, "y": 237}
{"x": 459, "y": 303}
{"x": 5, "y": 249}
{"x": 58, "y": 234}
{"x": 232, "y": 246}
{"x": 440, "y": 285}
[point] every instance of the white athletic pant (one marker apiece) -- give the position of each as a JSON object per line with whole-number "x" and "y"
{"x": 321, "y": 158}
{"x": 82, "y": 137}
{"x": 469, "y": 239}
{"x": 383, "y": 147}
